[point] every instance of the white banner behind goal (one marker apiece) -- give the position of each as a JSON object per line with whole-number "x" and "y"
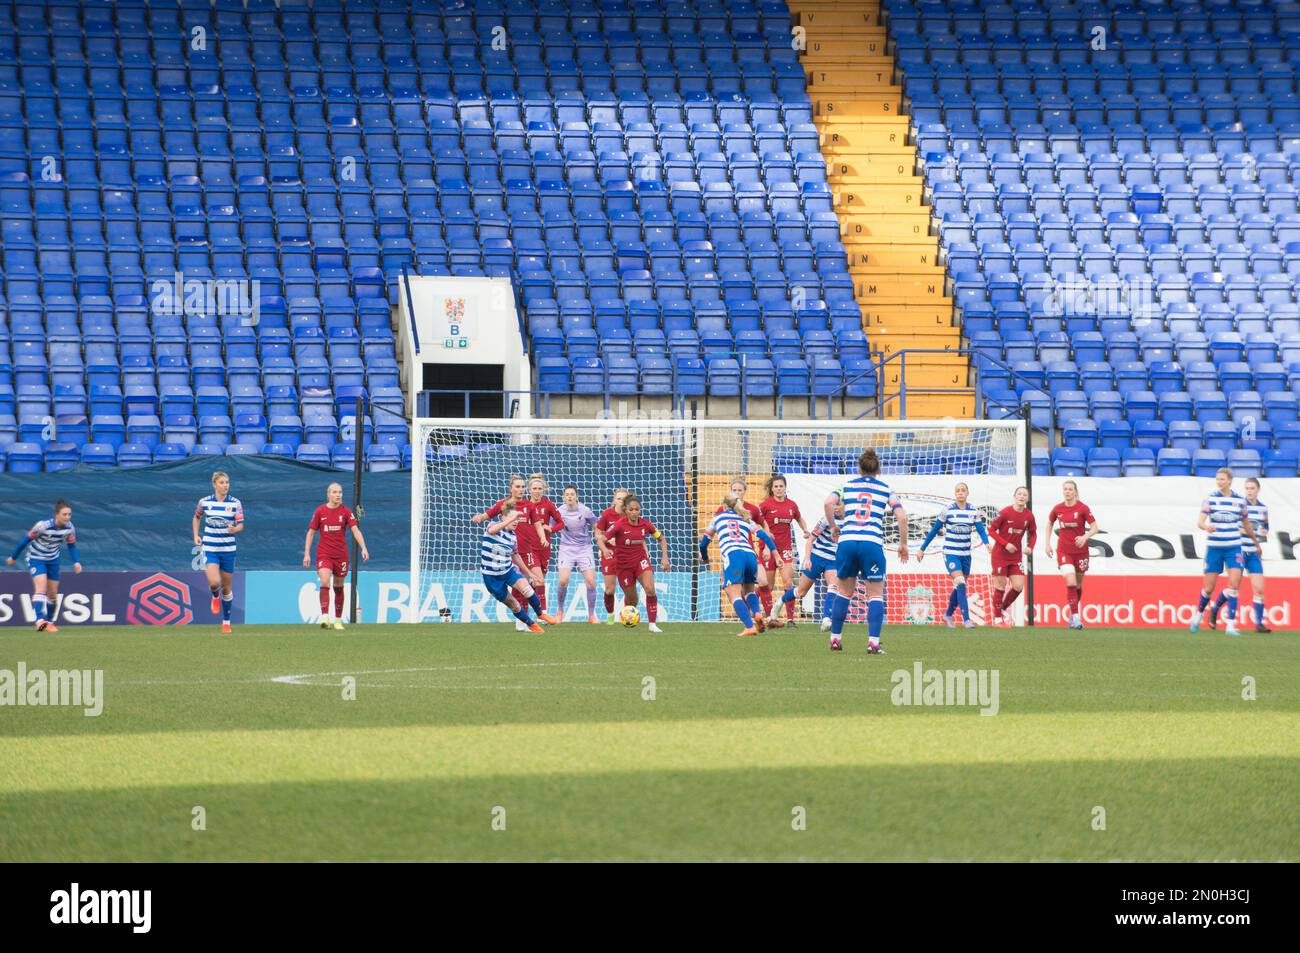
{"x": 681, "y": 470}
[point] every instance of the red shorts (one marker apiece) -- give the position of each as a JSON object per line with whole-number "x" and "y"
{"x": 537, "y": 558}
{"x": 608, "y": 567}
{"x": 767, "y": 560}
{"x": 337, "y": 567}
{"x": 1078, "y": 560}
{"x": 1008, "y": 569}
{"x": 628, "y": 575}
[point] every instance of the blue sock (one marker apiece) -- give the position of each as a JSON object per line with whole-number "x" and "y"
{"x": 839, "y": 612}
{"x": 962, "y": 601}
{"x": 1205, "y": 601}
{"x": 1232, "y": 606}
{"x": 743, "y": 613}
{"x": 1218, "y": 603}
{"x": 536, "y": 603}
{"x": 522, "y": 615}
{"x": 227, "y": 603}
{"x": 1259, "y": 611}
{"x": 952, "y": 602}
{"x": 788, "y": 596}
{"x": 40, "y": 607}
{"x": 875, "y": 618}
{"x": 216, "y": 591}
{"x": 755, "y": 606}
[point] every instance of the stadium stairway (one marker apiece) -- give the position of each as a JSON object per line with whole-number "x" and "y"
{"x": 893, "y": 258}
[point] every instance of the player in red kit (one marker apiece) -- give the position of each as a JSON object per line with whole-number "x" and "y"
{"x": 626, "y": 543}
{"x": 332, "y": 520}
{"x": 1013, "y": 533}
{"x": 1077, "y": 526}
{"x": 543, "y": 518}
{"x": 608, "y": 571}
{"x": 765, "y": 558}
{"x": 781, "y": 514}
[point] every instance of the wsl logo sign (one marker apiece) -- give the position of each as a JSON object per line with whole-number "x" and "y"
{"x": 159, "y": 599}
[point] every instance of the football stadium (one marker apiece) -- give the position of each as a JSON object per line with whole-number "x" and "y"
{"x": 649, "y": 430}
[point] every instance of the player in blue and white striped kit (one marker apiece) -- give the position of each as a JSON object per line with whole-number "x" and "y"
{"x": 819, "y": 563}
{"x": 735, "y": 534}
{"x": 1252, "y": 561}
{"x": 503, "y": 568}
{"x": 860, "y": 549}
{"x": 221, "y": 517}
{"x": 47, "y": 539}
{"x": 1224, "y": 518}
{"x": 959, "y": 522}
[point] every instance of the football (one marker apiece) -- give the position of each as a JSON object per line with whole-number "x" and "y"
{"x": 630, "y": 617}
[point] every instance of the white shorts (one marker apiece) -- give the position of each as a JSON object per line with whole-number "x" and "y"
{"x": 579, "y": 559}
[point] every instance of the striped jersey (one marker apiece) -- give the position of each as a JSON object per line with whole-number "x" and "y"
{"x": 219, "y": 516}
{"x": 866, "y": 499}
{"x": 496, "y": 553}
{"x": 1225, "y": 514}
{"x": 823, "y": 546}
{"x": 733, "y": 532}
{"x": 959, "y": 528}
{"x": 48, "y": 541}
{"x": 1257, "y": 514}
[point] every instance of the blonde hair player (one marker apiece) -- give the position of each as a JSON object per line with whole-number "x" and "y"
{"x": 332, "y": 520}
{"x": 222, "y": 519}
{"x": 1225, "y": 520}
{"x": 1252, "y": 558}
{"x": 959, "y": 522}
{"x": 1014, "y": 533}
{"x": 608, "y": 570}
{"x": 735, "y": 534}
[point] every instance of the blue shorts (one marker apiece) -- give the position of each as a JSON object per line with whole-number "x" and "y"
{"x": 49, "y": 568}
{"x": 740, "y": 567}
{"x": 1252, "y": 564}
{"x": 500, "y": 586}
{"x": 859, "y": 558}
{"x": 959, "y": 564}
{"x": 817, "y": 567}
{"x": 1220, "y": 559}
{"x": 225, "y": 560}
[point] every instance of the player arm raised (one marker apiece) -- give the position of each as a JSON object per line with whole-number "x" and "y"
{"x": 504, "y": 524}
{"x": 493, "y": 511}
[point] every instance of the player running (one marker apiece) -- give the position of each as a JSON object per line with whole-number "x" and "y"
{"x": 1014, "y": 532}
{"x": 575, "y": 551}
{"x": 222, "y": 518}
{"x": 740, "y": 486}
{"x": 608, "y": 570}
{"x": 1226, "y": 520}
{"x": 1078, "y": 525}
{"x": 860, "y": 548}
{"x": 626, "y": 542}
{"x": 516, "y": 494}
{"x": 779, "y": 513}
{"x": 1251, "y": 557}
{"x": 332, "y": 520}
{"x": 501, "y": 566}
{"x": 820, "y": 563}
{"x": 47, "y": 539}
{"x": 959, "y": 522}
{"x": 735, "y": 531}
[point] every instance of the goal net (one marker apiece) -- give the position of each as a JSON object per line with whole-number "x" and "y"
{"x": 681, "y": 470}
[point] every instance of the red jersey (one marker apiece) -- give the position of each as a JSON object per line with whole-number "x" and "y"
{"x": 526, "y": 527}
{"x": 608, "y": 519}
{"x": 333, "y": 525}
{"x": 780, "y": 516}
{"x": 628, "y": 541}
{"x": 1073, "y": 522}
{"x": 1018, "y": 529}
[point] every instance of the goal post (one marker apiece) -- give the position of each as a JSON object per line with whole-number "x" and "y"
{"x": 681, "y": 469}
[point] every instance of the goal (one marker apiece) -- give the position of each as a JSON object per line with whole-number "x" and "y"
{"x": 681, "y": 469}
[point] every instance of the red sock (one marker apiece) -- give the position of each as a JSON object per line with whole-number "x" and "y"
{"x": 609, "y": 602}
{"x": 338, "y": 603}
{"x": 765, "y": 597}
{"x": 789, "y": 609}
{"x": 652, "y": 607}
{"x": 1072, "y": 593}
{"x": 998, "y": 596}
{"x": 540, "y": 589}
{"x": 1012, "y": 594}
{"x": 324, "y": 600}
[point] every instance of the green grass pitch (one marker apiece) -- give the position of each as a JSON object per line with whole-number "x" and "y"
{"x": 456, "y": 731}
